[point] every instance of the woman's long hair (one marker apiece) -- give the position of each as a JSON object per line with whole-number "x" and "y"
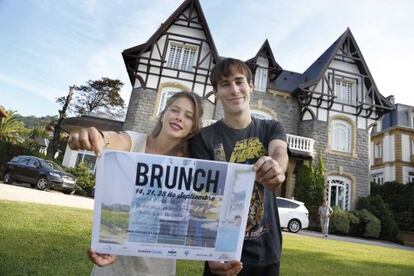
{"x": 181, "y": 149}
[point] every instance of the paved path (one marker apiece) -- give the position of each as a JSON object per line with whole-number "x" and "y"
{"x": 23, "y": 192}
{"x": 352, "y": 239}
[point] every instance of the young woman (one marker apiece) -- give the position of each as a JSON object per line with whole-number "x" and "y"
{"x": 179, "y": 121}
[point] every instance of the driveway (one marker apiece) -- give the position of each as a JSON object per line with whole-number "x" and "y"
{"x": 23, "y": 192}
{"x": 351, "y": 239}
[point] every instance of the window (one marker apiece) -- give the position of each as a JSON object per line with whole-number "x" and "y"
{"x": 412, "y": 120}
{"x": 260, "y": 80}
{"x": 181, "y": 57}
{"x": 378, "y": 178}
{"x": 344, "y": 91}
{"x": 377, "y": 151}
{"x": 88, "y": 159}
{"x": 164, "y": 99}
{"x": 410, "y": 177}
{"x": 33, "y": 163}
{"x": 412, "y": 146}
{"x": 260, "y": 114}
{"x": 341, "y": 136}
{"x": 338, "y": 192}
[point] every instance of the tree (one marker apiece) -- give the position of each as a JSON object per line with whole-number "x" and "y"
{"x": 100, "y": 96}
{"x": 11, "y": 129}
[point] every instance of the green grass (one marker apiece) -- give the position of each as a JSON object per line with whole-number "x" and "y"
{"x": 48, "y": 240}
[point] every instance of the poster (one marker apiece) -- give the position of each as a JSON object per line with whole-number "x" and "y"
{"x": 170, "y": 207}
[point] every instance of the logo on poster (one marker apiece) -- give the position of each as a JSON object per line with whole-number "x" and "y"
{"x": 172, "y": 252}
{"x": 224, "y": 257}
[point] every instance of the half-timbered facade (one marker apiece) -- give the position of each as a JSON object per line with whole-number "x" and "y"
{"x": 327, "y": 110}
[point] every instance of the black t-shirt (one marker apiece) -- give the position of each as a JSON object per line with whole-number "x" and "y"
{"x": 263, "y": 238}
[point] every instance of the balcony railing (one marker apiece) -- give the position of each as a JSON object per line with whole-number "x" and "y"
{"x": 300, "y": 145}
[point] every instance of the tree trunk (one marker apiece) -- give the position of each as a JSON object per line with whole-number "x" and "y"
{"x": 57, "y": 129}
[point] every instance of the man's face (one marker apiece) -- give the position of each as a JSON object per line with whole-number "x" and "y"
{"x": 234, "y": 93}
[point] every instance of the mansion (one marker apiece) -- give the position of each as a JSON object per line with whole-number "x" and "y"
{"x": 328, "y": 110}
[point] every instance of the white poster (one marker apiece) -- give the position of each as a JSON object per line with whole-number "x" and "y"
{"x": 170, "y": 207}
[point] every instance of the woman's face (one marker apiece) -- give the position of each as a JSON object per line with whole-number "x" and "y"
{"x": 177, "y": 120}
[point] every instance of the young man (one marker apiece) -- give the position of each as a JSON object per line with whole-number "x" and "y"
{"x": 241, "y": 138}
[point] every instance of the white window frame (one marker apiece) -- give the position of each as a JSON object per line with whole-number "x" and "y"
{"x": 260, "y": 79}
{"x": 342, "y": 196}
{"x": 341, "y": 136}
{"x": 166, "y": 93}
{"x": 345, "y": 91}
{"x": 410, "y": 177}
{"x": 378, "y": 178}
{"x": 181, "y": 56}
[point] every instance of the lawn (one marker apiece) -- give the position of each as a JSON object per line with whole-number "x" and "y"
{"x": 47, "y": 240}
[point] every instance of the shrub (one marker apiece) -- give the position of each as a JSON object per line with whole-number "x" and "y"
{"x": 375, "y": 204}
{"x": 309, "y": 188}
{"x": 339, "y": 222}
{"x": 85, "y": 179}
{"x": 369, "y": 225}
{"x": 400, "y": 198}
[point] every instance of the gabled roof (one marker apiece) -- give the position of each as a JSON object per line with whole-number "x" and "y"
{"x": 132, "y": 53}
{"x": 315, "y": 72}
{"x": 287, "y": 81}
{"x": 266, "y": 52}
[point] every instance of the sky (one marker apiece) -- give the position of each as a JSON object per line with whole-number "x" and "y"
{"x": 48, "y": 45}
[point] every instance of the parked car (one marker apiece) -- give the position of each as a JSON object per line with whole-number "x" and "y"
{"x": 39, "y": 173}
{"x": 293, "y": 214}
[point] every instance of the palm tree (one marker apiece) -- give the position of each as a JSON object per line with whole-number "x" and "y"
{"x": 11, "y": 129}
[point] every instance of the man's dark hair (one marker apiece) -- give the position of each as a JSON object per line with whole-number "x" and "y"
{"x": 228, "y": 67}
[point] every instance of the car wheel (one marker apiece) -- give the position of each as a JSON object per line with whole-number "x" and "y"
{"x": 41, "y": 183}
{"x": 294, "y": 226}
{"x": 8, "y": 178}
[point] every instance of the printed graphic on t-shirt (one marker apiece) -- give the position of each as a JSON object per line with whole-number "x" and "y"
{"x": 219, "y": 153}
{"x": 256, "y": 211}
{"x": 247, "y": 149}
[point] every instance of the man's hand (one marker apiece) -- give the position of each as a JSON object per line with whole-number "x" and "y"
{"x": 87, "y": 139}
{"x": 227, "y": 269}
{"x": 269, "y": 172}
{"x": 100, "y": 259}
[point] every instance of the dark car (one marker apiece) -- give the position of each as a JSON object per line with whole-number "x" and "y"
{"x": 39, "y": 173}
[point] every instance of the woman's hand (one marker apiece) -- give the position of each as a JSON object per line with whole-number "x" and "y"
{"x": 230, "y": 268}
{"x": 100, "y": 259}
{"x": 87, "y": 139}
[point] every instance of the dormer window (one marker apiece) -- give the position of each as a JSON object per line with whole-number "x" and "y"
{"x": 344, "y": 91}
{"x": 181, "y": 56}
{"x": 260, "y": 80}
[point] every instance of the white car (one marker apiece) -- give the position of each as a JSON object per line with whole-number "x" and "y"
{"x": 293, "y": 214}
